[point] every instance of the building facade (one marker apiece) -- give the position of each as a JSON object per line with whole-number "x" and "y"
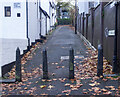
{"x": 85, "y": 5}
{"x": 21, "y": 23}
{"x": 64, "y": 13}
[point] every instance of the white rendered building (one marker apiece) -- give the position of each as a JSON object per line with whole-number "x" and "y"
{"x": 20, "y": 25}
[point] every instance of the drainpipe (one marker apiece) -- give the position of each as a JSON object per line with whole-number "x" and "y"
{"x": 40, "y": 23}
{"x": 46, "y": 25}
{"x": 92, "y": 19}
{"x": 87, "y": 15}
{"x": 115, "y": 65}
{"x": 27, "y": 25}
{"x": 80, "y": 23}
{"x": 75, "y": 16}
{"x": 83, "y": 18}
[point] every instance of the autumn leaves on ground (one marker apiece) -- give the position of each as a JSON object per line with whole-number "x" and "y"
{"x": 85, "y": 74}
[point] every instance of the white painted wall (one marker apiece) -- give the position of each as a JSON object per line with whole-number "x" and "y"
{"x": 51, "y": 10}
{"x": 48, "y": 25}
{"x": 12, "y": 31}
{"x": 12, "y": 25}
{"x": 33, "y": 21}
{"x": 84, "y": 5}
{"x": 50, "y": 13}
{"x": 43, "y": 27}
{"x": 0, "y": 36}
{"x": 38, "y": 20}
{"x": 45, "y": 6}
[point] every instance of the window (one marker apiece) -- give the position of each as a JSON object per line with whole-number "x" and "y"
{"x": 18, "y": 14}
{"x": 91, "y": 4}
{"x": 8, "y": 11}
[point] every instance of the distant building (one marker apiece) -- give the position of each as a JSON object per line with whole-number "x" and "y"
{"x": 85, "y": 6}
{"x": 64, "y": 13}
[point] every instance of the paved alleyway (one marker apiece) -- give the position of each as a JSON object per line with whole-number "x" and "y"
{"x": 58, "y": 46}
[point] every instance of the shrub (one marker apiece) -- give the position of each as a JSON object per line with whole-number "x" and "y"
{"x": 64, "y": 21}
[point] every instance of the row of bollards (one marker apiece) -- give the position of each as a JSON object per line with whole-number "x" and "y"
{"x": 71, "y": 64}
{"x": 18, "y": 76}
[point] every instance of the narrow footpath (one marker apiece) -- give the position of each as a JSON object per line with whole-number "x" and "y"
{"x": 58, "y": 45}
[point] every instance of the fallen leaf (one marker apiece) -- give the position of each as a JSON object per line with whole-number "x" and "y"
{"x": 75, "y": 88}
{"x": 25, "y": 88}
{"x": 54, "y": 79}
{"x": 49, "y": 80}
{"x": 104, "y": 79}
{"x": 85, "y": 92}
{"x": 92, "y": 84}
{"x": 72, "y": 80}
{"x": 56, "y": 63}
{"x": 67, "y": 84}
{"x": 66, "y": 91}
{"x": 43, "y": 94}
{"x": 42, "y": 86}
{"x": 53, "y": 74}
{"x": 36, "y": 82}
{"x": 104, "y": 90}
{"x": 57, "y": 67}
{"x": 50, "y": 86}
{"x": 90, "y": 90}
{"x": 107, "y": 93}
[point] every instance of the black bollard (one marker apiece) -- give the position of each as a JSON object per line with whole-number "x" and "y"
{"x": 45, "y": 65}
{"x": 18, "y": 65}
{"x": 71, "y": 64}
{"x": 100, "y": 61}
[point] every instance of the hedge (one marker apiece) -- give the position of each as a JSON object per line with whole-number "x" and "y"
{"x": 64, "y": 21}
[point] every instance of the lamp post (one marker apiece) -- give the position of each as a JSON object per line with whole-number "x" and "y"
{"x": 75, "y": 16}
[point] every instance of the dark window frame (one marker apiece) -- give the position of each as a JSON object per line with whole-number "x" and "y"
{"x": 7, "y": 9}
{"x": 18, "y": 15}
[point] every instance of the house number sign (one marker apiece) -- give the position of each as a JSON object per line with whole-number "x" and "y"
{"x": 109, "y": 33}
{"x": 17, "y": 5}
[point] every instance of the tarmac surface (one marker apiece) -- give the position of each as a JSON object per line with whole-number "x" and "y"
{"x": 58, "y": 46}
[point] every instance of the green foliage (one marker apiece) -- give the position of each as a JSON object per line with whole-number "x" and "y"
{"x": 61, "y": 4}
{"x": 64, "y": 21}
{"x": 55, "y": 24}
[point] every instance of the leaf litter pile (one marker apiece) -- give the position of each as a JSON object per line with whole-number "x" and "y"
{"x": 22, "y": 87}
{"x": 84, "y": 70}
{"x": 88, "y": 70}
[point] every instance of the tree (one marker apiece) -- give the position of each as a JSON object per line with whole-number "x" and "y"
{"x": 69, "y": 6}
{"x": 61, "y": 4}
